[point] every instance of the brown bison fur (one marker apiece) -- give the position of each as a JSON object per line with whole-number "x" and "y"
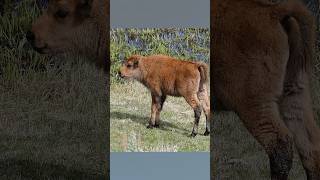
{"x": 164, "y": 75}
{"x": 76, "y": 26}
{"x": 261, "y": 59}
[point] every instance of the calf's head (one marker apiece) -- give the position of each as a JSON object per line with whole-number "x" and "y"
{"x": 64, "y": 26}
{"x": 131, "y": 68}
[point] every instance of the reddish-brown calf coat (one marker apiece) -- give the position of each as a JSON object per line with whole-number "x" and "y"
{"x": 164, "y": 75}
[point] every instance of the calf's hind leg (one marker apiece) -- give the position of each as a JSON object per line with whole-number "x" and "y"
{"x": 194, "y": 102}
{"x": 297, "y": 113}
{"x": 263, "y": 121}
{"x": 205, "y": 103}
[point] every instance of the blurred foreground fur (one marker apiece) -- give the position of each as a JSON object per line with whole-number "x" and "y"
{"x": 261, "y": 67}
{"x": 53, "y": 109}
{"x": 74, "y": 26}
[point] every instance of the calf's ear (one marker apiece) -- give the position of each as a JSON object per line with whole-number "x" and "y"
{"x": 84, "y": 8}
{"x": 136, "y": 63}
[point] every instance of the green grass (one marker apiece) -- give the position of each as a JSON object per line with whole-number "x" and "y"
{"x": 130, "y": 106}
{"x": 130, "y": 113}
{"x": 53, "y": 110}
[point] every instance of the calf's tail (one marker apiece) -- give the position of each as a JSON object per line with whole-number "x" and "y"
{"x": 204, "y": 70}
{"x": 300, "y": 26}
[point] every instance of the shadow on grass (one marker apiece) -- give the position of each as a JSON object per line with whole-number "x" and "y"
{"x": 29, "y": 169}
{"x": 165, "y": 126}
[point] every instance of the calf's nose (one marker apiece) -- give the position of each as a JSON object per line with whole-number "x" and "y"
{"x": 30, "y": 36}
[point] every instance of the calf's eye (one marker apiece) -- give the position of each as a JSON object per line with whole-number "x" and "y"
{"x": 129, "y": 66}
{"x": 61, "y": 13}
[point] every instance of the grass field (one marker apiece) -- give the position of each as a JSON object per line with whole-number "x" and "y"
{"x": 130, "y": 106}
{"x": 53, "y": 110}
{"x": 130, "y": 113}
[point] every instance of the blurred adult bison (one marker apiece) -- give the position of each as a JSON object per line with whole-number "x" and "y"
{"x": 76, "y": 26}
{"x": 261, "y": 57}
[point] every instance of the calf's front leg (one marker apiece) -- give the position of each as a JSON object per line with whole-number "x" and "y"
{"x": 155, "y": 111}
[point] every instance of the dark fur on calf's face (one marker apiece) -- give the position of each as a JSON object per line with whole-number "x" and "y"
{"x": 130, "y": 68}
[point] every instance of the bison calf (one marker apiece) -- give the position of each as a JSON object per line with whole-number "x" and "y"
{"x": 164, "y": 75}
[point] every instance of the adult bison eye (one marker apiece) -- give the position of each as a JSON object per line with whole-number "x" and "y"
{"x": 61, "y": 13}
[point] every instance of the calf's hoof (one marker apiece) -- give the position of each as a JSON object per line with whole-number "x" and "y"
{"x": 206, "y": 133}
{"x": 193, "y": 134}
{"x": 156, "y": 126}
{"x": 150, "y": 126}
